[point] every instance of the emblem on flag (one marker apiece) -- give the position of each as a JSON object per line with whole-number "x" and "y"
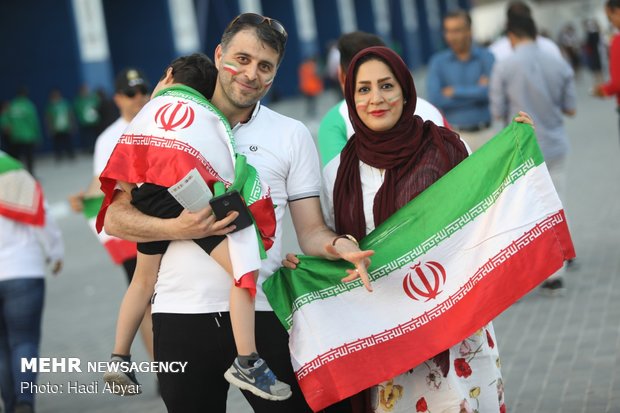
{"x": 420, "y": 286}
{"x": 176, "y": 118}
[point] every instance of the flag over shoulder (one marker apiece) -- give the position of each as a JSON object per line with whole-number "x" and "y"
{"x": 445, "y": 265}
{"x": 21, "y": 196}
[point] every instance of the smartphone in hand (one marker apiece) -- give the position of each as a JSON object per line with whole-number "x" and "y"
{"x": 231, "y": 201}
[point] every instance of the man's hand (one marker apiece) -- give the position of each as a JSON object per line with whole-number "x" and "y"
{"x": 76, "y": 202}
{"x": 200, "y": 224}
{"x": 523, "y": 117}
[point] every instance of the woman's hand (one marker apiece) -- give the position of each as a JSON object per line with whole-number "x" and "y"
{"x": 349, "y": 251}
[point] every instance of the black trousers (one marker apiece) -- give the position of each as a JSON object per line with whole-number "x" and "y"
{"x": 206, "y": 342}
{"x": 156, "y": 201}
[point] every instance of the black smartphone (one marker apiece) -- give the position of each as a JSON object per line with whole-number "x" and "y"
{"x": 231, "y": 201}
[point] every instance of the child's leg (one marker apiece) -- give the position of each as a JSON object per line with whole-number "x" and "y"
{"x": 241, "y": 306}
{"x": 137, "y": 298}
{"x": 248, "y": 372}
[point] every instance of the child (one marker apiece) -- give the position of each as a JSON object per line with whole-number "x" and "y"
{"x": 248, "y": 371}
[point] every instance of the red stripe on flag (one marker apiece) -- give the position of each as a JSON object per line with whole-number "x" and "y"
{"x": 348, "y": 374}
{"x": 141, "y": 160}
{"x": 121, "y": 250}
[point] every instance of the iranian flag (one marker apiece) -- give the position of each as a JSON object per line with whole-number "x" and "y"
{"x": 21, "y": 197}
{"x": 445, "y": 265}
{"x": 118, "y": 249}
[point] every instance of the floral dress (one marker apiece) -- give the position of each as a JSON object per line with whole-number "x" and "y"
{"x": 466, "y": 379}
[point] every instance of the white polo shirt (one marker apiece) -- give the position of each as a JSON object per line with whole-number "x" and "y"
{"x": 105, "y": 144}
{"x": 283, "y": 152}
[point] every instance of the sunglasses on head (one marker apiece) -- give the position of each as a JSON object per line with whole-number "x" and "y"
{"x": 133, "y": 91}
{"x": 257, "y": 19}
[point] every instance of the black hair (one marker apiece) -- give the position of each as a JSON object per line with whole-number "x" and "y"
{"x": 352, "y": 43}
{"x": 613, "y": 4}
{"x": 263, "y": 31}
{"x": 459, "y": 13}
{"x": 196, "y": 71}
{"x": 522, "y": 27}
{"x": 518, "y": 8}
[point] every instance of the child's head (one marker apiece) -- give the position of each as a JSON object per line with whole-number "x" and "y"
{"x": 612, "y": 8}
{"x": 196, "y": 71}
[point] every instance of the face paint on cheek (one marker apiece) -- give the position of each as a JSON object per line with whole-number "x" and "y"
{"x": 361, "y": 104}
{"x": 230, "y": 68}
{"x": 393, "y": 101}
{"x": 269, "y": 81}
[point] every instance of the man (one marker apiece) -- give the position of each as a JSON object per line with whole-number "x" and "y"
{"x": 190, "y": 305}
{"x": 130, "y": 96}
{"x": 542, "y": 85}
{"x": 501, "y": 47}
{"x": 336, "y": 128}
{"x": 458, "y": 80}
{"x": 25, "y": 128}
{"x": 86, "y": 108}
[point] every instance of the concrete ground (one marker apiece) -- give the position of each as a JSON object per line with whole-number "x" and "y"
{"x": 559, "y": 354}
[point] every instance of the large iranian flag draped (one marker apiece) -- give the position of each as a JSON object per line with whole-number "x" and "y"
{"x": 446, "y": 264}
{"x": 177, "y": 131}
{"x": 21, "y": 197}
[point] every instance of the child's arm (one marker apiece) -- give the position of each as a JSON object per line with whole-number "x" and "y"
{"x": 135, "y": 302}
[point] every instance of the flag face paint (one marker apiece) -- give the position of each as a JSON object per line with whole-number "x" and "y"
{"x": 395, "y": 100}
{"x": 230, "y": 68}
{"x": 439, "y": 274}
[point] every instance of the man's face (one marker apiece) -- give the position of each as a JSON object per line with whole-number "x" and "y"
{"x": 131, "y": 101}
{"x": 457, "y": 34}
{"x": 246, "y": 69}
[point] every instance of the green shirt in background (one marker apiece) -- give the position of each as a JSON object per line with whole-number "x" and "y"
{"x": 58, "y": 116}
{"x": 23, "y": 121}
{"x": 86, "y": 109}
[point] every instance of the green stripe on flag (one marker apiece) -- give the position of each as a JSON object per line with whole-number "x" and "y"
{"x": 8, "y": 163}
{"x": 92, "y": 206}
{"x": 432, "y": 217}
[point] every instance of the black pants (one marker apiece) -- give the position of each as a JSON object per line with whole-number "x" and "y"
{"x": 63, "y": 144}
{"x": 156, "y": 201}
{"x": 206, "y": 342}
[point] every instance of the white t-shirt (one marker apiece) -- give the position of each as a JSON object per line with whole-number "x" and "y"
{"x": 501, "y": 48}
{"x": 283, "y": 152}
{"x": 24, "y": 249}
{"x": 105, "y": 144}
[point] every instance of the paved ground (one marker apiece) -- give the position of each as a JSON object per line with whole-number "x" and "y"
{"x": 560, "y": 354}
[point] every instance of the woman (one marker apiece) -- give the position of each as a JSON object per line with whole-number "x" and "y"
{"x": 392, "y": 157}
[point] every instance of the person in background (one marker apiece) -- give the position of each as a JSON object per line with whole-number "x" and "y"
{"x": 30, "y": 240}
{"x": 132, "y": 93}
{"x": 59, "y": 120}
{"x": 5, "y": 127}
{"x": 612, "y": 87}
{"x": 542, "y": 85}
{"x": 25, "y": 128}
{"x": 570, "y": 47}
{"x": 310, "y": 83}
{"x": 458, "y": 81}
{"x": 85, "y": 105}
{"x": 501, "y": 47}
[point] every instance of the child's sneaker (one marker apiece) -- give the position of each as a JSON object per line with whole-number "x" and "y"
{"x": 258, "y": 379}
{"x": 120, "y": 382}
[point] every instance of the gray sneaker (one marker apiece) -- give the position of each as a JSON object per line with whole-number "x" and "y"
{"x": 119, "y": 382}
{"x": 259, "y": 380}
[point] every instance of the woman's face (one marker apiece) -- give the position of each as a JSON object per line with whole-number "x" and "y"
{"x": 378, "y": 96}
